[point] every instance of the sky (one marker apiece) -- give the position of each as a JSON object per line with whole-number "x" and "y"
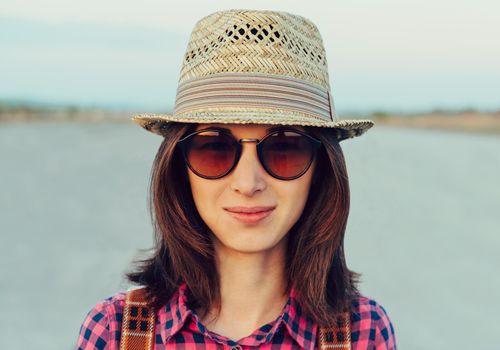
{"x": 382, "y": 55}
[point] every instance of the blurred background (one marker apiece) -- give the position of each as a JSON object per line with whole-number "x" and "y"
{"x": 423, "y": 227}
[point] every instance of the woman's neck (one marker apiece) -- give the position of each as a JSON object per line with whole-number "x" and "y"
{"x": 252, "y": 289}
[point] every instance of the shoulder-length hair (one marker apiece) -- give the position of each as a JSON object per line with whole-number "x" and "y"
{"x": 183, "y": 251}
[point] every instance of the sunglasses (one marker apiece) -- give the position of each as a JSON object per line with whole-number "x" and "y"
{"x": 285, "y": 153}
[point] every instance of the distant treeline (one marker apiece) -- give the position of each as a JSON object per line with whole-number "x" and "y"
{"x": 25, "y": 112}
{"x": 33, "y": 107}
{"x": 467, "y": 119}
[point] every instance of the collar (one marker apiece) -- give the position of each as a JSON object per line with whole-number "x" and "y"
{"x": 174, "y": 315}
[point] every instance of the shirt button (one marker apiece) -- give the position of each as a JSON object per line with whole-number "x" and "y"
{"x": 236, "y": 347}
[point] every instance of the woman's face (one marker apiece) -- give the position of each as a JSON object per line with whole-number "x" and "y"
{"x": 249, "y": 185}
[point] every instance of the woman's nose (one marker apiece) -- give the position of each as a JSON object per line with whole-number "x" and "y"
{"x": 248, "y": 176}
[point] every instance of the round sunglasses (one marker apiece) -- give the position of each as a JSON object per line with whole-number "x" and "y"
{"x": 285, "y": 153}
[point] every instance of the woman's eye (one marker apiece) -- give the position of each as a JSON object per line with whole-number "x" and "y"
{"x": 283, "y": 146}
{"x": 215, "y": 146}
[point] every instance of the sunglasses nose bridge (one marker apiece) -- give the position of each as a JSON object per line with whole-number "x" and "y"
{"x": 241, "y": 141}
{"x": 248, "y": 140}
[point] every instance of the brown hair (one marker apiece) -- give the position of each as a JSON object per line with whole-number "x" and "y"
{"x": 183, "y": 251}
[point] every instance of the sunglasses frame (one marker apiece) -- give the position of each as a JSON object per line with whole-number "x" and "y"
{"x": 315, "y": 144}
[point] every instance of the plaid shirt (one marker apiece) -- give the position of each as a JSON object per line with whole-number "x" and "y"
{"x": 178, "y": 327}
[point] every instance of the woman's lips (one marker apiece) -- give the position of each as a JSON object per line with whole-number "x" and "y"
{"x": 250, "y": 218}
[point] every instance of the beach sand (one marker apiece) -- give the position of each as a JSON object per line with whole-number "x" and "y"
{"x": 423, "y": 228}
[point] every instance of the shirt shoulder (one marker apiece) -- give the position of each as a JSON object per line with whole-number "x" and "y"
{"x": 371, "y": 326}
{"x": 101, "y": 328}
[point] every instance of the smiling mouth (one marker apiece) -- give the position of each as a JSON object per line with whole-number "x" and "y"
{"x": 250, "y": 217}
{"x": 249, "y": 209}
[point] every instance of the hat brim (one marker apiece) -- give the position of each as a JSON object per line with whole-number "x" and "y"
{"x": 346, "y": 128}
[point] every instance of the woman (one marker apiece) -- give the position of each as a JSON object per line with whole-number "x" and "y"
{"x": 249, "y": 198}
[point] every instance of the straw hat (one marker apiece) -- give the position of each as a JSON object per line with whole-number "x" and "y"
{"x": 253, "y": 66}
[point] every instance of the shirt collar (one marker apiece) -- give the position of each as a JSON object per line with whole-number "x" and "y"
{"x": 173, "y": 316}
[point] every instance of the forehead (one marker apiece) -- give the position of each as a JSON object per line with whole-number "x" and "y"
{"x": 236, "y": 128}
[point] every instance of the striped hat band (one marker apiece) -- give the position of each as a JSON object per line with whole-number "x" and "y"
{"x": 254, "y": 90}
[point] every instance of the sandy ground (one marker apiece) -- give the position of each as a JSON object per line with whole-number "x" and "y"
{"x": 423, "y": 228}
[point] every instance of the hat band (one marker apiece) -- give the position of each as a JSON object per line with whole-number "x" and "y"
{"x": 253, "y": 91}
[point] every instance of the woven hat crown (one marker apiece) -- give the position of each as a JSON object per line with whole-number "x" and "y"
{"x": 268, "y": 42}
{"x": 255, "y": 66}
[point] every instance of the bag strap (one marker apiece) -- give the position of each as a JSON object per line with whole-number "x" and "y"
{"x": 138, "y": 322}
{"x": 338, "y": 336}
{"x": 138, "y": 325}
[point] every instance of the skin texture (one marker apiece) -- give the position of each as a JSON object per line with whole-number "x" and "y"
{"x": 249, "y": 257}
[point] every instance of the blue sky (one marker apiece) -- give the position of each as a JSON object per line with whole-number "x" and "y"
{"x": 391, "y": 55}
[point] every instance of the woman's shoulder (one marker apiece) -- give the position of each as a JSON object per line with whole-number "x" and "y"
{"x": 101, "y": 327}
{"x": 371, "y": 324}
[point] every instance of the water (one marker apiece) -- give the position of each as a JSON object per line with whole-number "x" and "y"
{"x": 423, "y": 228}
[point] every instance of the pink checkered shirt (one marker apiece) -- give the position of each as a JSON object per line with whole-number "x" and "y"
{"x": 178, "y": 327}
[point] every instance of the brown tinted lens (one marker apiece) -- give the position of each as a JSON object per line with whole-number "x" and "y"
{"x": 287, "y": 153}
{"x": 211, "y": 153}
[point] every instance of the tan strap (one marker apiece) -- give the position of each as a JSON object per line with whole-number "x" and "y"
{"x": 138, "y": 327}
{"x": 338, "y": 336}
{"x": 138, "y": 322}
